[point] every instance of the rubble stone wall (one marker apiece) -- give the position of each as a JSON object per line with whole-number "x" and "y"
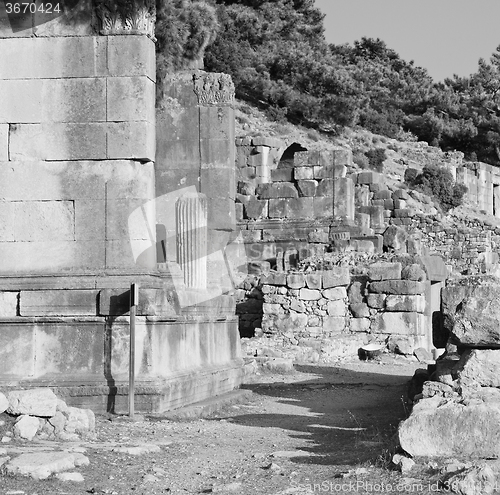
{"x": 385, "y": 304}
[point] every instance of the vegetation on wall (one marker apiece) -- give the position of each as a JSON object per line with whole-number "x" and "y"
{"x": 438, "y": 182}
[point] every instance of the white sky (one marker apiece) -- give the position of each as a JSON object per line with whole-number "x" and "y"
{"x": 444, "y": 36}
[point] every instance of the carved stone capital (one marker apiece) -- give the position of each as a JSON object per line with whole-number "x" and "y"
{"x": 213, "y": 89}
{"x": 126, "y": 17}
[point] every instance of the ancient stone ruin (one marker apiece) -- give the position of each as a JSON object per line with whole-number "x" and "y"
{"x": 107, "y": 180}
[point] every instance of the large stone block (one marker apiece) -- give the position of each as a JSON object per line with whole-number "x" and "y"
{"x": 441, "y": 427}
{"x": 303, "y": 173}
{"x": 17, "y": 350}
{"x": 58, "y": 141}
{"x": 336, "y": 308}
{"x": 376, "y": 215}
{"x": 34, "y": 221}
{"x": 343, "y": 199}
{"x": 58, "y": 303}
{"x": 278, "y": 190}
{"x": 8, "y": 304}
{"x": 334, "y": 324}
{"x": 131, "y": 140}
{"x": 39, "y": 58}
{"x": 307, "y": 187}
{"x": 397, "y": 287}
{"x": 309, "y": 294}
{"x": 4, "y": 142}
{"x": 257, "y": 208}
{"x": 336, "y": 276}
{"x": 132, "y": 55}
{"x": 376, "y": 301}
{"x": 325, "y": 188}
{"x": 384, "y": 271}
{"x": 399, "y": 323}
{"x": 335, "y": 293}
{"x": 323, "y": 207}
{"x": 471, "y": 309}
{"x": 277, "y": 208}
{"x": 478, "y": 368}
{"x": 295, "y": 280}
{"x": 405, "y": 303}
{"x": 130, "y": 99}
{"x": 297, "y": 208}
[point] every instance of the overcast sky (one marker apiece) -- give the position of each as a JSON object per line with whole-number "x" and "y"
{"x": 444, "y": 36}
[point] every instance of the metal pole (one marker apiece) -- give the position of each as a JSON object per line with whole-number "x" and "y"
{"x": 134, "y": 298}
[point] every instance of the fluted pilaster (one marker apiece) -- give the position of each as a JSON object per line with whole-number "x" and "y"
{"x": 191, "y": 227}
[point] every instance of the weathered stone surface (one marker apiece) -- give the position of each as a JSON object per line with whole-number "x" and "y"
{"x": 26, "y": 427}
{"x": 8, "y": 303}
{"x": 478, "y": 368}
{"x": 306, "y": 187}
{"x": 58, "y": 302}
{"x": 256, "y": 208}
{"x": 309, "y": 294}
{"x": 313, "y": 280}
{"x": 277, "y": 190}
{"x": 279, "y": 365}
{"x": 343, "y": 199}
{"x": 73, "y": 477}
{"x": 274, "y": 278}
{"x": 405, "y": 303}
{"x": 336, "y": 308}
{"x": 445, "y": 428}
{"x": 360, "y": 310}
{"x": 413, "y": 272}
{"x": 304, "y": 173}
{"x": 395, "y": 239}
{"x": 36, "y": 402}
{"x": 474, "y": 480}
{"x": 41, "y": 465}
{"x": 4, "y": 403}
{"x": 334, "y": 324}
{"x": 400, "y": 345}
{"x": 335, "y": 293}
{"x": 376, "y": 301}
{"x": 79, "y": 421}
{"x": 356, "y": 292}
{"x": 369, "y": 178}
{"x": 336, "y": 276}
{"x": 399, "y": 323}
{"x": 384, "y": 271}
{"x": 471, "y": 310}
{"x": 359, "y": 324}
{"x": 4, "y": 142}
{"x": 295, "y": 280}
{"x": 398, "y": 287}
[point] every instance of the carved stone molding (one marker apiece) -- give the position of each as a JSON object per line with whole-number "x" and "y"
{"x": 213, "y": 89}
{"x": 126, "y": 17}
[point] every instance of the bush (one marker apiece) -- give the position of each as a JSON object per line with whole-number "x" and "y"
{"x": 376, "y": 159}
{"x": 438, "y": 182}
{"x": 360, "y": 160}
{"x": 411, "y": 175}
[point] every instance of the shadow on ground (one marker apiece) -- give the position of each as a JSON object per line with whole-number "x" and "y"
{"x": 339, "y": 416}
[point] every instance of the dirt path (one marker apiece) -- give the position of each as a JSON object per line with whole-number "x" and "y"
{"x": 319, "y": 430}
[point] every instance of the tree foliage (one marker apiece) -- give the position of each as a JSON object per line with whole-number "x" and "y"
{"x": 277, "y": 55}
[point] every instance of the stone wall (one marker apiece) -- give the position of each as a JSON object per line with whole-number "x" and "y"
{"x": 336, "y": 311}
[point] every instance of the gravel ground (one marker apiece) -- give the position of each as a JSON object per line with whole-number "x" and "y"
{"x": 317, "y": 430}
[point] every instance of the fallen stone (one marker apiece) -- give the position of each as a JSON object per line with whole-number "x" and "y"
{"x": 394, "y": 239}
{"x": 4, "y": 403}
{"x": 400, "y": 345}
{"x": 477, "y": 480}
{"x": 138, "y": 449}
{"x": 279, "y": 365}
{"x": 150, "y": 478}
{"x": 478, "y": 368}
{"x": 405, "y": 464}
{"x": 79, "y": 421}
{"x": 3, "y": 460}
{"x": 230, "y": 487}
{"x": 35, "y": 402}
{"x": 41, "y": 465}
{"x": 471, "y": 310}
{"x": 26, "y": 427}
{"x": 74, "y": 477}
{"x": 422, "y": 354}
{"x": 439, "y": 427}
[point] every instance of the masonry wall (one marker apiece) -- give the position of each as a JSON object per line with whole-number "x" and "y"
{"x": 77, "y": 150}
{"x": 337, "y": 311}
